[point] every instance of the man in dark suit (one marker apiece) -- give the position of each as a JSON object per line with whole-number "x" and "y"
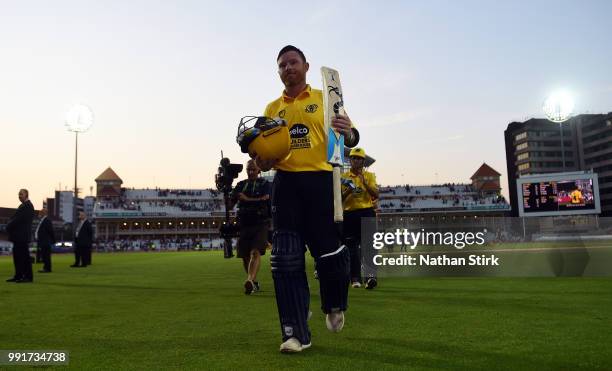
{"x": 82, "y": 242}
{"x": 45, "y": 239}
{"x": 19, "y": 229}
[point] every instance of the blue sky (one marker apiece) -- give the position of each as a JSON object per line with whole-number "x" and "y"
{"x": 431, "y": 85}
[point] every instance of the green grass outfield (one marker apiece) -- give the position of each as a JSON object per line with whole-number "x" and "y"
{"x": 187, "y": 311}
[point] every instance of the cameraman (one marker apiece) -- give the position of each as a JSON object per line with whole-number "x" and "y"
{"x": 253, "y": 198}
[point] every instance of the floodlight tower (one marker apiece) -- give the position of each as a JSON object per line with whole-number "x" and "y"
{"x": 559, "y": 107}
{"x": 78, "y": 120}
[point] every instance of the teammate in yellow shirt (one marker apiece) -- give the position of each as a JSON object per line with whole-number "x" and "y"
{"x": 359, "y": 192}
{"x": 303, "y": 206}
{"x": 576, "y": 196}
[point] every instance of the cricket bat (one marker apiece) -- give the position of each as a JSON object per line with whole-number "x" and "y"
{"x": 333, "y": 105}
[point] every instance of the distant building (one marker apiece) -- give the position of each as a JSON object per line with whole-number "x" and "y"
{"x": 88, "y": 206}
{"x": 486, "y": 180}
{"x": 536, "y": 147}
{"x": 155, "y": 214}
{"x": 62, "y": 206}
{"x": 595, "y": 145}
{"x": 108, "y": 186}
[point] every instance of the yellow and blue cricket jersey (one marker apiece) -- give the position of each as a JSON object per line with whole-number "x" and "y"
{"x": 305, "y": 120}
{"x": 359, "y": 198}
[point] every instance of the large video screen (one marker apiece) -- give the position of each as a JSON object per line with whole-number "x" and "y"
{"x": 558, "y": 196}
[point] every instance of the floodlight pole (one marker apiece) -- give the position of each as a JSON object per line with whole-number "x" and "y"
{"x": 78, "y": 119}
{"x": 562, "y": 146}
{"x": 76, "y": 189}
{"x": 76, "y": 160}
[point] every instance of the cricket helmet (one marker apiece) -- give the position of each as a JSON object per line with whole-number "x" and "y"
{"x": 267, "y": 138}
{"x": 357, "y": 152}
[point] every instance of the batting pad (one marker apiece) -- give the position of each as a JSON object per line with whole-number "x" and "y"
{"x": 290, "y": 284}
{"x": 333, "y": 270}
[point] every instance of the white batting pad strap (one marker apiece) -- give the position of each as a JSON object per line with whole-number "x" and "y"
{"x": 333, "y": 253}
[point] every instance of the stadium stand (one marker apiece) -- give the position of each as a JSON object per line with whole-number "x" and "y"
{"x": 447, "y": 197}
{"x": 129, "y": 219}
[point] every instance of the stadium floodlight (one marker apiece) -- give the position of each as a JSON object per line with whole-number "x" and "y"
{"x": 79, "y": 119}
{"x": 559, "y": 106}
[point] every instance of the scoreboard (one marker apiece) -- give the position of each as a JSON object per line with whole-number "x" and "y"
{"x": 558, "y": 194}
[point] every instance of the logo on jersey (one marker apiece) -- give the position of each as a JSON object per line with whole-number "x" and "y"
{"x": 311, "y": 108}
{"x": 298, "y": 131}
{"x": 299, "y": 136}
{"x": 281, "y": 114}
